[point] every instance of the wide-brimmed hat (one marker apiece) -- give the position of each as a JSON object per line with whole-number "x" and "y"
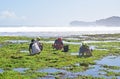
{"x": 38, "y": 38}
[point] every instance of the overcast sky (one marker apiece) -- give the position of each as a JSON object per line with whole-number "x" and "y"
{"x": 55, "y": 12}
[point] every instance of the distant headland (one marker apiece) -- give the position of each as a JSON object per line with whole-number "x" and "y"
{"x": 110, "y": 21}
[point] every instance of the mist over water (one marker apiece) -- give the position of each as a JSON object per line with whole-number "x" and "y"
{"x": 56, "y": 31}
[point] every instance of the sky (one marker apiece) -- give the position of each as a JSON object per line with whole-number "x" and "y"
{"x": 55, "y": 12}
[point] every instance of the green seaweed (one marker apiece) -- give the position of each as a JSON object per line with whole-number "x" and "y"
{"x": 11, "y": 57}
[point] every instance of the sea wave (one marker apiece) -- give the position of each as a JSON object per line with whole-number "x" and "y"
{"x": 56, "y": 31}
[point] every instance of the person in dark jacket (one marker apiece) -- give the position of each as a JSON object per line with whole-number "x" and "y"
{"x": 58, "y": 44}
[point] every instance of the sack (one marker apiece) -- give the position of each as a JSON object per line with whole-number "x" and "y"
{"x": 35, "y": 48}
{"x": 40, "y": 45}
{"x": 66, "y": 48}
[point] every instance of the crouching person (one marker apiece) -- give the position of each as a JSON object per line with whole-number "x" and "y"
{"x": 58, "y": 44}
{"x": 39, "y": 43}
{"x": 84, "y": 49}
{"x": 34, "y": 48}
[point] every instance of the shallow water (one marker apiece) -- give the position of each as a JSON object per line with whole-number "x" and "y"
{"x": 92, "y": 47}
{"x": 110, "y": 61}
{"x": 65, "y": 74}
{"x": 91, "y": 41}
{"x": 51, "y": 70}
{"x": 0, "y": 45}
{"x": 74, "y": 53}
{"x": 48, "y": 77}
{"x": 94, "y": 70}
{"x": 21, "y": 70}
{"x": 77, "y": 43}
{"x": 118, "y": 39}
{"x": 80, "y": 43}
{"x": 24, "y": 51}
{"x": 18, "y": 41}
{"x": 102, "y": 49}
{"x": 98, "y": 69}
{"x": 1, "y": 70}
{"x": 72, "y": 38}
{"x": 65, "y": 42}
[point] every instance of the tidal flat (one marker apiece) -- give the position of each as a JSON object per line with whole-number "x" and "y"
{"x": 16, "y": 63}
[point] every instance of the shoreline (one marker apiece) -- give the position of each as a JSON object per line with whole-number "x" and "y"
{"x": 57, "y": 34}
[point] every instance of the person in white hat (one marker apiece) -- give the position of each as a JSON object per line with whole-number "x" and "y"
{"x": 39, "y": 43}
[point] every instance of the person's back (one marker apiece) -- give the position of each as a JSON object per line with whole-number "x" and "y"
{"x": 39, "y": 43}
{"x": 85, "y": 49}
{"x": 58, "y": 44}
{"x": 33, "y": 47}
{"x": 82, "y": 49}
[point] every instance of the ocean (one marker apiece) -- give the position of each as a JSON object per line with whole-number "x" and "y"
{"x": 34, "y": 31}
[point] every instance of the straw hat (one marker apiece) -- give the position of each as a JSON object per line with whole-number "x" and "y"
{"x": 38, "y": 38}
